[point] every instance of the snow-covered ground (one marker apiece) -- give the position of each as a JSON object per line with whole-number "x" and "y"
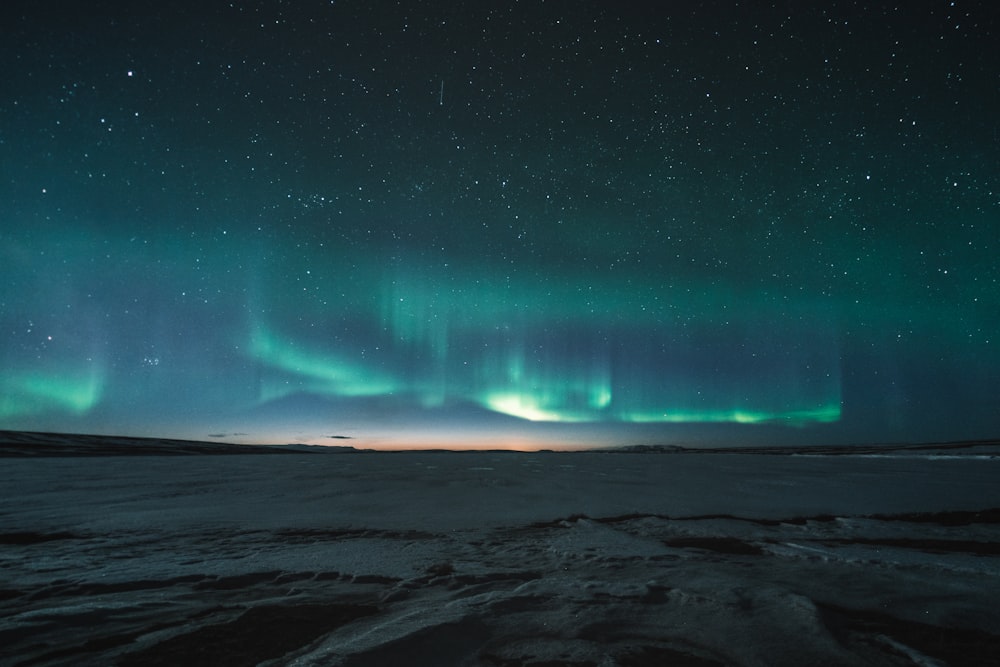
{"x": 500, "y": 558}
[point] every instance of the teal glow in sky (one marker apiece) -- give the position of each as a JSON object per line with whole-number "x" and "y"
{"x": 557, "y": 223}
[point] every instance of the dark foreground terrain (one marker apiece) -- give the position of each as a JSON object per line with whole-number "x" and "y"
{"x": 503, "y": 559}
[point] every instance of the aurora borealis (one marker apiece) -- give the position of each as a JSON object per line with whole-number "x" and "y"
{"x": 513, "y": 223}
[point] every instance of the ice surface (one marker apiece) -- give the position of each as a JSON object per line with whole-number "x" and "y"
{"x": 500, "y": 558}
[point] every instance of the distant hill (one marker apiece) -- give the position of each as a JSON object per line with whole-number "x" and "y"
{"x": 32, "y": 444}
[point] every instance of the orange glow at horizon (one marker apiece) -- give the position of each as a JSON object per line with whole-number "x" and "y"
{"x": 415, "y": 441}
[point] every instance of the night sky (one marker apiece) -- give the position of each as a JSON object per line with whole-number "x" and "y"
{"x": 522, "y": 224}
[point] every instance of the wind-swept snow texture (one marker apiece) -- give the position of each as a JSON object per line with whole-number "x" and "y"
{"x": 500, "y": 559}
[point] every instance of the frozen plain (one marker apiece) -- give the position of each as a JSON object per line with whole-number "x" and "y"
{"x": 501, "y": 558}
